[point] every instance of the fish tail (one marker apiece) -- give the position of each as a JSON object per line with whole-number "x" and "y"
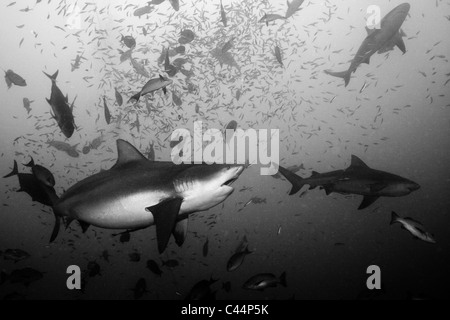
{"x": 14, "y": 172}
{"x": 394, "y": 218}
{"x": 136, "y": 97}
{"x": 296, "y": 181}
{"x": 341, "y": 74}
{"x": 52, "y": 77}
{"x": 30, "y": 164}
{"x": 283, "y": 279}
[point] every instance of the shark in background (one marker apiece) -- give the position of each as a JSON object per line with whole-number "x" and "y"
{"x": 380, "y": 40}
{"x": 358, "y": 178}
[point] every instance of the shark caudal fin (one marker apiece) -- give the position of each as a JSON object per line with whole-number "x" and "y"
{"x": 283, "y": 279}
{"x": 296, "y": 181}
{"x": 136, "y": 97}
{"x": 342, "y": 74}
{"x": 14, "y": 172}
{"x": 53, "y": 76}
{"x": 394, "y": 218}
{"x": 30, "y": 164}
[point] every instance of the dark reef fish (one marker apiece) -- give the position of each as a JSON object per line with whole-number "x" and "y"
{"x": 62, "y": 112}
{"x": 13, "y": 78}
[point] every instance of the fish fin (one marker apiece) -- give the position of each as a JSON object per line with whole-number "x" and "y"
{"x": 30, "y": 164}
{"x": 127, "y": 153}
{"x": 295, "y": 180}
{"x": 366, "y": 60}
{"x": 55, "y": 228}
{"x": 14, "y": 172}
{"x": 165, "y": 215}
{"x": 370, "y": 31}
{"x": 161, "y": 78}
{"x": 394, "y": 218}
{"x": 136, "y": 97}
{"x": 400, "y": 43}
{"x": 341, "y": 74}
{"x": 376, "y": 187}
{"x": 52, "y": 77}
{"x": 84, "y": 225}
{"x": 328, "y": 188}
{"x": 367, "y": 201}
{"x": 283, "y": 279}
{"x": 180, "y": 231}
{"x": 357, "y": 162}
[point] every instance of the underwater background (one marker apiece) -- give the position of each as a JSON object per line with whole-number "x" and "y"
{"x": 394, "y": 115}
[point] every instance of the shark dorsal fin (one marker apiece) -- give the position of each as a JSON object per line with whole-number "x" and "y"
{"x": 127, "y": 153}
{"x": 358, "y": 163}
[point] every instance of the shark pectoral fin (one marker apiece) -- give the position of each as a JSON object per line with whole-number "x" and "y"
{"x": 180, "y": 231}
{"x": 84, "y": 225}
{"x": 366, "y": 60}
{"x": 367, "y": 201}
{"x": 376, "y": 187}
{"x": 400, "y": 43}
{"x": 165, "y": 215}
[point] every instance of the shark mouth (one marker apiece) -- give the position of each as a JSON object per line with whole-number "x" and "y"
{"x": 229, "y": 182}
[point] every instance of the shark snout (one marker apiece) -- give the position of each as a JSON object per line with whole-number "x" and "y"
{"x": 414, "y": 186}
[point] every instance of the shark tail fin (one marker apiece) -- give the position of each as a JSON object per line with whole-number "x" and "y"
{"x": 296, "y": 181}
{"x": 30, "y": 164}
{"x": 341, "y": 74}
{"x": 283, "y": 279}
{"x": 53, "y": 76}
{"x": 14, "y": 172}
{"x": 394, "y": 218}
{"x": 136, "y": 97}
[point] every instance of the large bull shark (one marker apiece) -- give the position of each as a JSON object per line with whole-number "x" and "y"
{"x": 62, "y": 112}
{"x": 380, "y": 40}
{"x": 358, "y": 178}
{"x": 136, "y": 193}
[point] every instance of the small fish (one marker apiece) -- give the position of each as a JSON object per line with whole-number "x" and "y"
{"x": 414, "y": 227}
{"x": 27, "y": 104}
{"x": 129, "y": 41}
{"x": 151, "y": 86}
{"x": 13, "y": 78}
{"x": 175, "y": 4}
{"x": 202, "y": 291}
{"x": 226, "y": 286}
{"x": 271, "y": 17}
{"x": 153, "y": 267}
{"x": 278, "y": 55}
{"x": 119, "y": 98}
{"x": 107, "y": 113}
{"x": 237, "y": 259}
{"x": 264, "y": 280}
{"x": 223, "y": 15}
{"x": 363, "y": 87}
{"x": 186, "y": 36}
{"x": 176, "y": 99}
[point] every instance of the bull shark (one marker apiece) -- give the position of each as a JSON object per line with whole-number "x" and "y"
{"x": 62, "y": 112}
{"x": 378, "y": 40}
{"x": 136, "y": 193}
{"x": 358, "y": 178}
